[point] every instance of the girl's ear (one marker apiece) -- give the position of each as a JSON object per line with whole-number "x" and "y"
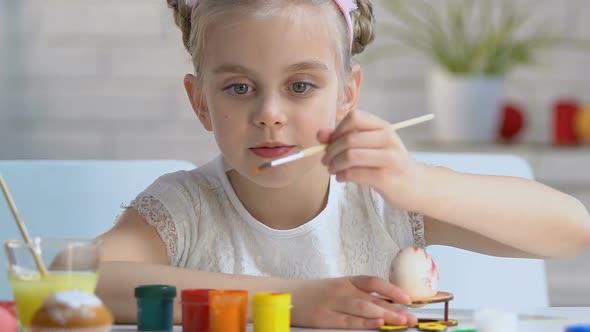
{"x": 194, "y": 91}
{"x": 352, "y": 92}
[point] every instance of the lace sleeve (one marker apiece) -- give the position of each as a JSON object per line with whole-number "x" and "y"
{"x": 417, "y": 222}
{"x": 156, "y": 214}
{"x": 169, "y": 205}
{"x": 406, "y": 228}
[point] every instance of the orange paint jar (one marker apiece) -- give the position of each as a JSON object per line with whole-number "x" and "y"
{"x": 228, "y": 310}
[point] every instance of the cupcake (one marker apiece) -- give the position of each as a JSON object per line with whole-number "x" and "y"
{"x": 72, "y": 311}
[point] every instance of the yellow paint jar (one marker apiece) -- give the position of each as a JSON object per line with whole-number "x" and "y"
{"x": 272, "y": 312}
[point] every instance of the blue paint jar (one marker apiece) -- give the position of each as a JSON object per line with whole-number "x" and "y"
{"x": 578, "y": 328}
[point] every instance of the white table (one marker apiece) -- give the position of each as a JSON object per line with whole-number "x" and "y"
{"x": 538, "y": 320}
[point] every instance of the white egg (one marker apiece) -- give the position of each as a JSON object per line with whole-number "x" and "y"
{"x": 414, "y": 271}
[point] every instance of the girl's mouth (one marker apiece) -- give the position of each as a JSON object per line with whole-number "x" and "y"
{"x": 272, "y": 151}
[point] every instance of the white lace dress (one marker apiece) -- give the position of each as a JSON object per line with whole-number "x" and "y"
{"x": 204, "y": 226}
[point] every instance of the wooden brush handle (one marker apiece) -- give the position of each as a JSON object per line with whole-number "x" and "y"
{"x": 23, "y": 229}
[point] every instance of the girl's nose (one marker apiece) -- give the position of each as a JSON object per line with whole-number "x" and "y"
{"x": 270, "y": 113}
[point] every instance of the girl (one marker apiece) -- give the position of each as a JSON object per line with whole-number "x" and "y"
{"x": 273, "y": 77}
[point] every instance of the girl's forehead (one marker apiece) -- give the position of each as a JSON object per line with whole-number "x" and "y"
{"x": 276, "y": 40}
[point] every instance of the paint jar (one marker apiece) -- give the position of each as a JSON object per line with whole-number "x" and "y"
{"x": 195, "y": 310}
{"x": 578, "y": 328}
{"x": 155, "y": 307}
{"x": 272, "y": 312}
{"x": 228, "y": 310}
{"x": 565, "y": 112}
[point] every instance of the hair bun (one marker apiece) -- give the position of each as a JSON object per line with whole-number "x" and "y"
{"x": 182, "y": 17}
{"x": 364, "y": 26}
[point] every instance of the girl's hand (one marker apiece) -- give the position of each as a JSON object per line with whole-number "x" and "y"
{"x": 348, "y": 303}
{"x": 365, "y": 149}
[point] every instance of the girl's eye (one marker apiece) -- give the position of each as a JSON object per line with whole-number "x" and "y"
{"x": 301, "y": 87}
{"x": 239, "y": 89}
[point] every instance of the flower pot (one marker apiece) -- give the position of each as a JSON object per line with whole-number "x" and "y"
{"x": 467, "y": 108}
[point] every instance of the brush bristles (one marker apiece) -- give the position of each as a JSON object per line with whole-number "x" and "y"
{"x": 260, "y": 168}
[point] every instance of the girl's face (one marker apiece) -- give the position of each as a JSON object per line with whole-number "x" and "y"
{"x": 269, "y": 84}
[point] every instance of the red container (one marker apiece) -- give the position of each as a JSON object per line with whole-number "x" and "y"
{"x": 10, "y": 306}
{"x": 195, "y": 310}
{"x": 564, "y": 126}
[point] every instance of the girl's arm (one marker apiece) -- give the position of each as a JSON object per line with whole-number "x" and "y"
{"x": 118, "y": 280}
{"x": 134, "y": 255}
{"x": 497, "y": 215}
{"x": 502, "y": 216}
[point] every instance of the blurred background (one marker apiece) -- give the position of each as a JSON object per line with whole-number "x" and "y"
{"x": 102, "y": 79}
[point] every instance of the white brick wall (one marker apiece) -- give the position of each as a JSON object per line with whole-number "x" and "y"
{"x": 103, "y": 79}
{"x": 120, "y": 64}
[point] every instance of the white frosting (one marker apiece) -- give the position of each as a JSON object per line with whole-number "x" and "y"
{"x": 414, "y": 271}
{"x": 75, "y": 299}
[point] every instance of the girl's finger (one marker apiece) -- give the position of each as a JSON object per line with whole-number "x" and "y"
{"x": 359, "y": 121}
{"x": 324, "y": 135}
{"x": 344, "y": 321}
{"x": 360, "y": 307}
{"x": 382, "y": 287}
{"x": 370, "y": 158}
{"x": 397, "y": 140}
{"x": 337, "y": 320}
{"x": 410, "y": 319}
{"x": 366, "y": 139}
{"x": 366, "y": 307}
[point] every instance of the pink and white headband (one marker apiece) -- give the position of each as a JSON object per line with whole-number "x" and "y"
{"x": 346, "y": 6}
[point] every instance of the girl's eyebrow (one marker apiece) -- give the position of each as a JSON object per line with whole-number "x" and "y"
{"x": 308, "y": 65}
{"x": 231, "y": 68}
{"x": 238, "y": 69}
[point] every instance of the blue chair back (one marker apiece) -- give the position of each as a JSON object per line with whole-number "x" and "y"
{"x": 72, "y": 199}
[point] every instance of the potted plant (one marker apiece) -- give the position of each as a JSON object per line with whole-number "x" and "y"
{"x": 473, "y": 44}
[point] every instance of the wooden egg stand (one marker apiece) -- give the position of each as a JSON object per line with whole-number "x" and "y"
{"x": 429, "y": 324}
{"x": 440, "y": 297}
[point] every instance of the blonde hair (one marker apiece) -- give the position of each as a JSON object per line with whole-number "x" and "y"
{"x": 194, "y": 23}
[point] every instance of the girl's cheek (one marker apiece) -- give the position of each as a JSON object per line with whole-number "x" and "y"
{"x": 310, "y": 124}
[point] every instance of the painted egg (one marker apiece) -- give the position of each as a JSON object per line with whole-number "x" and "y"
{"x": 414, "y": 271}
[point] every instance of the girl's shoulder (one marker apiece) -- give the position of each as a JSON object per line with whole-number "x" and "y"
{"x": 203, "y": 177}
{"x": 174, "y": 203}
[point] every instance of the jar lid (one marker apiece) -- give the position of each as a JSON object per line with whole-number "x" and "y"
{"x": 272, "y": 299}
{"x": 156, "y": 291}
{"x": 195, "y": 295}
{"x": 578, "y": 328}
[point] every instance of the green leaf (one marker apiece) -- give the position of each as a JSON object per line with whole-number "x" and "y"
{"x": 465, "y": 36}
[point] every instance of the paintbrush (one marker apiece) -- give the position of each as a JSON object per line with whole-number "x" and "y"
{"x": 22, "y": 228}
{"x": 319, "y": 148}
